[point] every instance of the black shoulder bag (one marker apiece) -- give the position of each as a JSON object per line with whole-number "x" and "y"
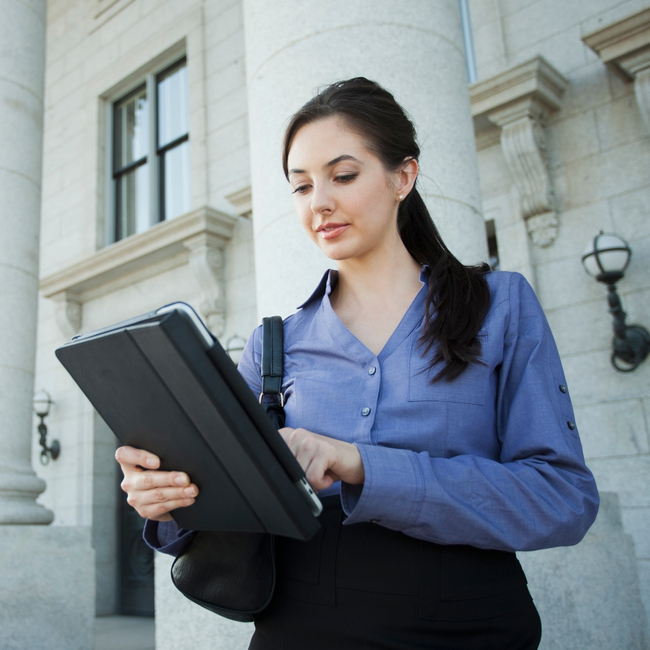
{"x": 231, "y": 573}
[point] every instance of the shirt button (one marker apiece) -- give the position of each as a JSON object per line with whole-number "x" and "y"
{"x": 562, "y": 388}
{"x": 571, "y": 425}
{"x": 372, "y": 370}
{"x": 365, "y": 411}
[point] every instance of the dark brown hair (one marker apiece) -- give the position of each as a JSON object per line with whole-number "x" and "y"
{"x": 459, "y": 295}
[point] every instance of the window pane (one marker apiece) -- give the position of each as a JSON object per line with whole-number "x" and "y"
{"x": 172, "y": 105}
{"x": 133, "y": 201}
{"x": 177, "y": 180}
{"x": 131, "y": 129}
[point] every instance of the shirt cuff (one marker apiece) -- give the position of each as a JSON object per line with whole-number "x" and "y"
{"x": 166, "y": 536}
{"x": 392, "y": 492}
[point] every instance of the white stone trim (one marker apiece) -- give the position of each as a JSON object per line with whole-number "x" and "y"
{"x": 625, "y": 45}
{"x": 198, "y": 238}
{"x": 518, "y": 102}
{"x": 242, "y": 200}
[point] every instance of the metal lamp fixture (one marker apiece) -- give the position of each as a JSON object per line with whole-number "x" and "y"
{"x": 42, "y": 403}
{"x": 235, "y": 347}
{"x": 606, "y": 258}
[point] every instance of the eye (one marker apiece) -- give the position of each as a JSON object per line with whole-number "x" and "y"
{"x": 345, "y": 178}
{"x": 301, "y": 189}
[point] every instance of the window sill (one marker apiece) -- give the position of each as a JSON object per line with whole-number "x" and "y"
{"x": 197, "y": 238}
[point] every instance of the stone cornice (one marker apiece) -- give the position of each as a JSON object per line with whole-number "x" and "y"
{"x": 242, "y": 200}
{"x": 535, "y": 80}
{"x": 136, "y": 253}
{"x": 624, "y": 44}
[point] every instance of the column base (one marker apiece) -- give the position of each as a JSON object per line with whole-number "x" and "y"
{"x": 18, "y": 492}
{"x": 47, "y": 598}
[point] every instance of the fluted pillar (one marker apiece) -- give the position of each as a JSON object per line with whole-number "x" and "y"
{"x": 22, "y": 61}
{"x": 415, "y": 50}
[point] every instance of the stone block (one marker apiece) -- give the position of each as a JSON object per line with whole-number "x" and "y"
{"x": 181, "y": 623}
{"x": 223, "y": 81}
{"x": 588, "y": 88}
{"x": 47, "y": 598}
{"x": 488, "y": 43}
{"x": 228, "y": 139}
{"x": 219, "y": 27}
{"x": 576, "y": 228}
{"x": 636, "y": 522}
{"x": 613, "y": 172}
{"x": 619, "y": 123}
{"x": 626, "y": 476}
{"x": 231, "y": 107}
{"x": 563, "y": 50}
{"x": 631, "y": 214}
{"x": 613, "y": 429}
{"x": 581, "y": 328}
{"x": 644, "y": 582}
{"x": 225, "y": 52}
{"x": 572, "y": 138}
{"x": 573, "y": 588}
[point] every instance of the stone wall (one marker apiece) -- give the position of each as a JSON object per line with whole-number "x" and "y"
{"x": 598, "y": 155}
{"x": 95, "y": 51}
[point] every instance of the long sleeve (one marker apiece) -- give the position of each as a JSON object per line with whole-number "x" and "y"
{"x": 531, "y": 491}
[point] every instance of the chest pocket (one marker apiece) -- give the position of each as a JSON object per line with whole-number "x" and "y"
{"x": 469, "y": 388}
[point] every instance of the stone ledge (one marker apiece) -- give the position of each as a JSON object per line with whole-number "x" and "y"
{"x": 623, "y": 43}
{"x": 535, "y": 80}
{"x": 196, "y": 238}
{"x": 136, "y": 253}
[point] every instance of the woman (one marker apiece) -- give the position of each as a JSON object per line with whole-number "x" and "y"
{"x": 425, "y": 401}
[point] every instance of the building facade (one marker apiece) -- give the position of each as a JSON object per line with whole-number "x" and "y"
{"x": 161, "y": 181}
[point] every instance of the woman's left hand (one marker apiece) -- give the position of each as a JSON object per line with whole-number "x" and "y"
{"x": 324, "y": 460}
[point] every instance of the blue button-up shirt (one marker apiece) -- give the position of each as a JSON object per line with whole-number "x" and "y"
{"x": 491, "y": 459}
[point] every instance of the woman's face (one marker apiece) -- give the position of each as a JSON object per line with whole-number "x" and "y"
{"x": 346, "y": 200}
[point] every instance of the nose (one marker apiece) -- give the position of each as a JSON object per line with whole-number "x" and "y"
{"x": 322, "y": 201}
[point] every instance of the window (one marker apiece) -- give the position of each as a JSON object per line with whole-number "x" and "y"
{"x": 151, "y": 166}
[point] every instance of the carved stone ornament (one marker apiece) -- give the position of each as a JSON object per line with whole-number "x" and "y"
{"x": 207, "y": 261}
{"x": 518, "y": 101}
{"x": 68, "y": 314}
{"x": 625, "y": 45}
{"x": 203, "y": 233}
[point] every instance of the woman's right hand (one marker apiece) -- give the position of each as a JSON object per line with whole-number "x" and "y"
{"x": 152, "y": 492}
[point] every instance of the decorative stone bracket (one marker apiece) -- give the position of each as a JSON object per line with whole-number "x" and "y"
{"x": 198, "y": 238}
{"x": 518, "y": 102}
{"x": 625, "y": 45}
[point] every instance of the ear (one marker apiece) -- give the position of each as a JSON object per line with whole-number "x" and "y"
{"x": 406, "y": 177}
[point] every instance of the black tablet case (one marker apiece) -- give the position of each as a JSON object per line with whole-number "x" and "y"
{"x": 157, "y": 387}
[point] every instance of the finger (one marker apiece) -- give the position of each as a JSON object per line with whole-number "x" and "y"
{"x": 154, "y": 479}
{"x": 158, "y": 511}
{"x": 132, "y": 456}
{"x": 141, "y": 498}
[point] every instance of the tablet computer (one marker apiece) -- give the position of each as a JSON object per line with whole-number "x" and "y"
{"x": 163, "y": 383}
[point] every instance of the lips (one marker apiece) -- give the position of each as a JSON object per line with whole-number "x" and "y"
{"x": 332, "y": 230}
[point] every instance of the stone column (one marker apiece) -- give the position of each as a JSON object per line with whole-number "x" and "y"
{"x": 415, "y": 50}
{"x": 22, "y": 63}
{"x": 47, "y": 596}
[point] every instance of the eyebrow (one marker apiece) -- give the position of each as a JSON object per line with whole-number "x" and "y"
{"x": 331, "y": 163}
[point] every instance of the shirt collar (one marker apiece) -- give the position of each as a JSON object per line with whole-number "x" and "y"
{"x": 325, "y": 286}
{"x": 331, "y": 277}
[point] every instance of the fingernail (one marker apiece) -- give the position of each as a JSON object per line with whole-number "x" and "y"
{"x": 190, "y": 492}
{"x": 181, "y": 480}
{"x": 150, "y": 462}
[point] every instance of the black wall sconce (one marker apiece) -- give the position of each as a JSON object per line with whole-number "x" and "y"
{"x": 42, "y": 403}
{"x": 606, "y": 259}
{"x": 235, "y": 347}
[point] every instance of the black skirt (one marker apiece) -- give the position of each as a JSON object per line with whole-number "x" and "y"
{"x": 365, "y": 586}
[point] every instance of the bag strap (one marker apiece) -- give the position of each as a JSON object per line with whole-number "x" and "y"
{"x": 272, "y": 357}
